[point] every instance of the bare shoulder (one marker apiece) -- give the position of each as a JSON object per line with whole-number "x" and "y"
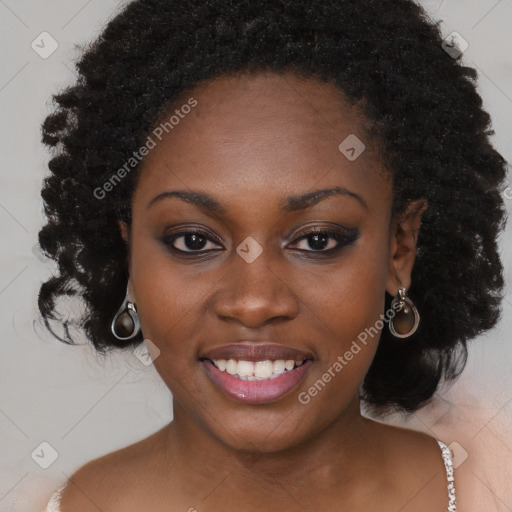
{"x": 415, "y": 460}
{"x": 409, "y": 439}
{"x": 415, "y": 450}
{"x": 111, "y": 482}
{"x": 85, "y": 491}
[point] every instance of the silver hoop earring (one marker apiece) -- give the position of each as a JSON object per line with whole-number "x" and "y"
{"x": 406, "y": 319}
{"x": 125, "y": 324}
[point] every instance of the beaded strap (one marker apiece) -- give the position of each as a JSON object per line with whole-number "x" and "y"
{"x": 448, "y": 464}
{"x": 54, "y": 503}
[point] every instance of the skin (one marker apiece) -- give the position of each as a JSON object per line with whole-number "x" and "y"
{"x": 252, "y": 141}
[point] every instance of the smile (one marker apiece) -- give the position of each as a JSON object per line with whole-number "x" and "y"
{"x": 256, "y": 370}
{"x": 256, "y": 382}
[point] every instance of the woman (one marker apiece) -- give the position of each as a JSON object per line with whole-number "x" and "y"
{"x": 295, "y": 206}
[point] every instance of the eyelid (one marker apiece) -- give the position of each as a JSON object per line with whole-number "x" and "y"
{"x": 326, "y": 228}
{"x": 187, "y": 229}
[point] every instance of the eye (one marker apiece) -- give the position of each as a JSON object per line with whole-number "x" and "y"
{"x": 191, "y": 241}
{"x": 325, "y": 240}
{"x": 319, "y": 240}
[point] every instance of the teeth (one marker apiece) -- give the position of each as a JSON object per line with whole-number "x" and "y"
{"x": 279, "y": 366}
{"x": 232, "y": 367}
{"x": 262, "y": 369}
{"x": 245, "y": 369}
{"x": 258, "y": 370}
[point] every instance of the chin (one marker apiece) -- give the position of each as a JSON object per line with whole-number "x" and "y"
{"x": 262, "y": 433}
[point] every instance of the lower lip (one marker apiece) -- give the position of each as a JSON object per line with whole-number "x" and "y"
{"x": 257, "y": 391}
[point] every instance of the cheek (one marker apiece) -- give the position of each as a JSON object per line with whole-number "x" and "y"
{"x": 351, "y": 311}
{"x": 347, "y": 297}
{"x": 360, "y": 292}
{"x": 170, "y": 298}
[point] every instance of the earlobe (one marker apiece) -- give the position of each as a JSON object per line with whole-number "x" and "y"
{"x": 123, "y": 228}
{"x": 403, "y": 244}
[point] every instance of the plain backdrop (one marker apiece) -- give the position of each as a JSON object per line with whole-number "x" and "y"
{"x": 80, "y": 406}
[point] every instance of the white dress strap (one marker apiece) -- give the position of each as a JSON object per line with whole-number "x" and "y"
{"x": 448, "y": 464}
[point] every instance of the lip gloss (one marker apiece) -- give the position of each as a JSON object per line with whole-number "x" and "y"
{"x": 256, "y": 391}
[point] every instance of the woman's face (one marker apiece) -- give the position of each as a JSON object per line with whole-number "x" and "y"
{"x": 253, "y": 276}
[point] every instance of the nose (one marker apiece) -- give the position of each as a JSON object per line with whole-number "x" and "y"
{"x": 256, "y": 293}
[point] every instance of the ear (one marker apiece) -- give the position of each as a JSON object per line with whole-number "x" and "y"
{"x": 125, "y": 231}
{"x": 403, "y": 243}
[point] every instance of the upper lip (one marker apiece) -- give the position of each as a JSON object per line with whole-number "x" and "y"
{"x": 256, "y": 351}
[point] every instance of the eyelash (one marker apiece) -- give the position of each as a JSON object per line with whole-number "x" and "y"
{"x": 344, "y": 238}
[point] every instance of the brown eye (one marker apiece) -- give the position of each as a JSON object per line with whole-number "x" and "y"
{"x": 189, "y": 241}
{"x": 326, "y": 240}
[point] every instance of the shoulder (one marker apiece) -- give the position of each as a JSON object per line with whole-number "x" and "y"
{"x": 95, "y": 485}
{"x": 415, "y": 460}
{"x": 109, "y": 483}
{"x": 418, "y": 447}
{"x": 416, "y": 451}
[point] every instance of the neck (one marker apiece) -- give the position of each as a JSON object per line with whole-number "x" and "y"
{"x": 340, "y": 457}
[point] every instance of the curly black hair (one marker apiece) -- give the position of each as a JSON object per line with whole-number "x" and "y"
{"x": 387, "y": 56}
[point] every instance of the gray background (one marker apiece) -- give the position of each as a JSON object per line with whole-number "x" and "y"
{"x": 84, "y": 406}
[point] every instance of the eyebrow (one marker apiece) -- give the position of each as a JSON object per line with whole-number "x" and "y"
{"x": 289, "y": 204}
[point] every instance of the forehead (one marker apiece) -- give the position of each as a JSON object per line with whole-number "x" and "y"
{"x": 268, "y": 132}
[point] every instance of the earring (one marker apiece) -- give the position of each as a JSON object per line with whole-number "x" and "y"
{"x": 406, "y": 319}
{"x": 125, "y": 324}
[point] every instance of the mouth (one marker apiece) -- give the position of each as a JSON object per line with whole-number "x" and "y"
{"x": 256, "y": 373}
